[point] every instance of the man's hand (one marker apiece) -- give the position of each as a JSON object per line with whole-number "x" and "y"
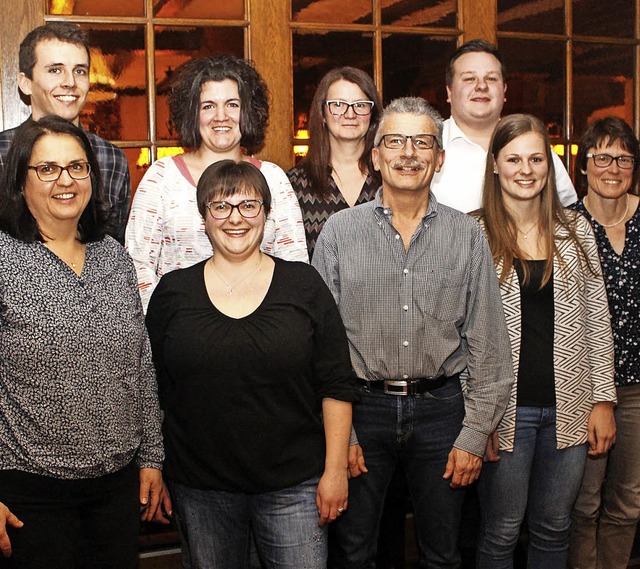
{"x": 6, "y": 517}
{"x": 356, "y": 461}
{"x": 151, "y": 491}
{"x": 462, "y": 468}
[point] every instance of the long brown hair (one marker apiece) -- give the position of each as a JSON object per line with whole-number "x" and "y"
{"x": 318, "y": 158}
{"x": 500, "y": 226}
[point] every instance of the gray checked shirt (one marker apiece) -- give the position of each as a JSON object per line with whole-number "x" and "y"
{"x": 430, "y": 311}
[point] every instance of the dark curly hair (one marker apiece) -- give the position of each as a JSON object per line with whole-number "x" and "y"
{"x": 15, "y": 217}
{"x": 184, "y": 98}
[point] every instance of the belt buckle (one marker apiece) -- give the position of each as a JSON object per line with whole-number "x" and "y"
{"x": 396, "y": 387}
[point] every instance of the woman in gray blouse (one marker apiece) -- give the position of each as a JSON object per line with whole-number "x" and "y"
{"x": 80, "y": 443}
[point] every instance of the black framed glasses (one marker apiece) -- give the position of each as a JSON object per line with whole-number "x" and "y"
{"x": 51, "y": 172}
{"x": 603, "y": 160}
{"x": 399, "y": 141}
{"x": 338, "y": 107}
{"x": 246, "y": 208}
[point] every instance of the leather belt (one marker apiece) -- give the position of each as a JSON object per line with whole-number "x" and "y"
{"x": 407, "y": 386}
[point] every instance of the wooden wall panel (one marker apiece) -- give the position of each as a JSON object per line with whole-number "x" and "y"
{"x": 270, "y": 48}
{"x": 18, "y": 18}
{"x": 479, "y": 19}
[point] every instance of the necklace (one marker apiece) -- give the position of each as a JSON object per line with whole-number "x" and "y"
{"x": 626, "y": 211}
{"x": 525, "y": 234}
{"x": 230, "y": 287}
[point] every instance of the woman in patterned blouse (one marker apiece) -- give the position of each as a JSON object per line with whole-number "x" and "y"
{"x": 219, "y": 108}
{"x": 337, "y": 172}
{"x": 555, "y": 304}
{"x": 608, "y": 506}
{"x": 80, "y": 442}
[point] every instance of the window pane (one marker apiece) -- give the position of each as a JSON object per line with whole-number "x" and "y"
{"x": 316, "y": 53}
{"x": 602, "y": 83}
{"x": 536, "y": 80}
{"x": 220, "y": 10}
{"x": 527, "y": 16}
{"x": 175, "y": 46}
{"x": 95, "y": 8}
{"x": 613, "y": 18}
{"x": 118, "y": 83}
{"x": 425, "y": 13}
{"x": 332, "y": 11}
{"x": 139, "y": 160}
{"x": 416, "y": 65}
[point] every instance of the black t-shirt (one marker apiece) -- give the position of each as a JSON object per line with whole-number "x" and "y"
{"x": 242, "y": 397}
{"x": 536, "y": 381}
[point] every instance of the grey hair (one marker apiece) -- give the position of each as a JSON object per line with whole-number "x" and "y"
{"x": 414, "y": 106}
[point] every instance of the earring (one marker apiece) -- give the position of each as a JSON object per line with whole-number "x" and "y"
{"x": 583, "y": 172}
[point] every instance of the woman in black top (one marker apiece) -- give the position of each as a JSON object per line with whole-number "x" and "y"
{"x": 256, "y": 384}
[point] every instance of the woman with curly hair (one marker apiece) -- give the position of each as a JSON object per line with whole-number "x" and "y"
{"x": 219, "y": 107}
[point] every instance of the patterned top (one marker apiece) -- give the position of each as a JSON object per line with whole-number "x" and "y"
{"x": 622, "y": 280}
{"x": 317, "y": 209}
{"x": 430, "y": 311}
{"x": 114, "y": 171}
{"x": 583, "y": 345}
{"x": 78, "y": 396}
{"x": 166, "y": 232}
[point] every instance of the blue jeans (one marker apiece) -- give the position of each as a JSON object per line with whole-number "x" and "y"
{"x": 537, "y": 478}
{"x": 217, "y": 527}
{"x": 419, "y": 431}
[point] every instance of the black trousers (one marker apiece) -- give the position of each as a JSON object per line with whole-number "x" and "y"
{"x": 72, "y": 524}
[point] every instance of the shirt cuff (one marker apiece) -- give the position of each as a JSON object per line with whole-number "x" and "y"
{"x": 471, "y": 441}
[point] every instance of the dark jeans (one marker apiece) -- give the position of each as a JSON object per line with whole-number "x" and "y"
{"x": 72, "y": 524}
{"x": 419, "y": 431}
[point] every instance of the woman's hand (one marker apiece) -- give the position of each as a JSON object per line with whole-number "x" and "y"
{"x": 493, "y": 446}
{"x": 331, "y": 497}
{"x": 152, "y": 494}
{"x": 601, "y": 430}
{"x": 6, "y": 517}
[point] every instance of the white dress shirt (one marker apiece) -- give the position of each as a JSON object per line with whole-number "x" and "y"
{"x": 459, "y": 182}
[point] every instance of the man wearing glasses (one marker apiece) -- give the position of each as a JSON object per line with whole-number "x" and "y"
{"x": 416, "y": 287}
{"x": 54, "y": 74}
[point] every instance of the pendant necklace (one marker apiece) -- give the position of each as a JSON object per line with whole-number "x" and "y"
{"x": 230, "y": 287}
{"x": 525, "y": 234}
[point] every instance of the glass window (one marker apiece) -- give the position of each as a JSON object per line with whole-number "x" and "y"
{"x": 332, "y": 11}
{"x": 602, "y": 83}
{"x": 531, "y": 17}
{"x": 613, "y": 18}
{"x": 536, "y": 80}
{"x": 415, "y": 66}
{"x": 432, "y": 13}
{"x": 118, "y": 83}
{"x": 94, "y": 8}
{"x": 175, "y": 46}
{"x": 315, "y": 53}
{"x": 221, "y": 10}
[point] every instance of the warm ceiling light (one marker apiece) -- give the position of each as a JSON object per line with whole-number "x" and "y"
{"x": 62, "y": 6}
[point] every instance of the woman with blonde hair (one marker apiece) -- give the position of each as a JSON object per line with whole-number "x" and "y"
{"x": 561, "y": 405}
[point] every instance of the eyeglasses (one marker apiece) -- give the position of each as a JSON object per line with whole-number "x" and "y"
{"x": 247, "y": 209}
{"x": 51, "y": 172}
{"x": 338, "y": 108}
{"x": 399, "y": 141}
{"x": 604, "y": 160}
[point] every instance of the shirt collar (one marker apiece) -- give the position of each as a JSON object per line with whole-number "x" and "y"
{"x": 383, "y": 212}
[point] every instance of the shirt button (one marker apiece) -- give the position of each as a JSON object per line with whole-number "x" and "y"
{"x": 405, "y": 376}
{"x": 406, "y": 271}
{"x": 397, "y": 236}
{"x": 386, "y": 211}
{"x": 405, "y": 343}
{"x": 405, "y": 308}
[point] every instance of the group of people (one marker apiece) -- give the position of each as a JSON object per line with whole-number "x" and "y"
{"x": 459, "y": 322}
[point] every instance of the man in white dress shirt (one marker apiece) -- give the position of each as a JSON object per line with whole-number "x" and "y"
{"x": 476, "y": 90}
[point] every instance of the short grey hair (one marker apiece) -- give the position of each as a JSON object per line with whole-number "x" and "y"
{"x": 414, "y": 106}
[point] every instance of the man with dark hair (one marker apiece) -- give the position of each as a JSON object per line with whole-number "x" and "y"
{"x": 417, "y": 290}
{"x": 476, "y": 90}
{"x": 54, "y": 74}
